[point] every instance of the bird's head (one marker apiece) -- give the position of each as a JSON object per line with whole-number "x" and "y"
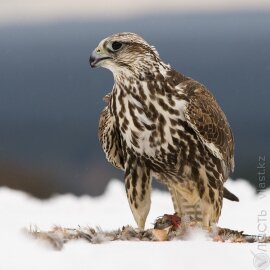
{"x": 123, "y": 51}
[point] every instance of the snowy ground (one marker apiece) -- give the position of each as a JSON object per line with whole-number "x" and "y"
{"x": 111, "y": 211}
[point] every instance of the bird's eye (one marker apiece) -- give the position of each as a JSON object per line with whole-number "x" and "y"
{"x": 116, "y": 45}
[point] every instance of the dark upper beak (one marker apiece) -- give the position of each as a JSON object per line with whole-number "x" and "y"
{"x": 92, "y": 60}
{"x": 95, "y": 58}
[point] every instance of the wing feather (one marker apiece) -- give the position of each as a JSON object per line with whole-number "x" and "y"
{"x": 109, "y": 139}
{"x": 205, "y": 116}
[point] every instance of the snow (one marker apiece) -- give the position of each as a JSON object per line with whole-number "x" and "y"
{"x": 111, "y": 211}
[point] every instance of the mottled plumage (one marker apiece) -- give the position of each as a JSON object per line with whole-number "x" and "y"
{"x": 160, "y": 123}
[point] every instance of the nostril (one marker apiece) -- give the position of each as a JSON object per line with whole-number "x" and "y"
{"x": 98, "y": 50}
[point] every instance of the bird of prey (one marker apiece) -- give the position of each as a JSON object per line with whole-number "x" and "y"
{"x": 159, "y": 123}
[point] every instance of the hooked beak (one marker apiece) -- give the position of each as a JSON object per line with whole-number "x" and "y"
{"x": 96, "y": 57}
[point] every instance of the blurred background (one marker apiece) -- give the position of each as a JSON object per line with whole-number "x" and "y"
{"x": 50, "y": 99}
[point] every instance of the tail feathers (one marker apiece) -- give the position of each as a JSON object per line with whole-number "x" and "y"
{"x": 230, "y": 196}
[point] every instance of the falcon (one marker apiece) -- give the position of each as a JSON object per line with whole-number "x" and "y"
{"x": 161, "y": 124}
